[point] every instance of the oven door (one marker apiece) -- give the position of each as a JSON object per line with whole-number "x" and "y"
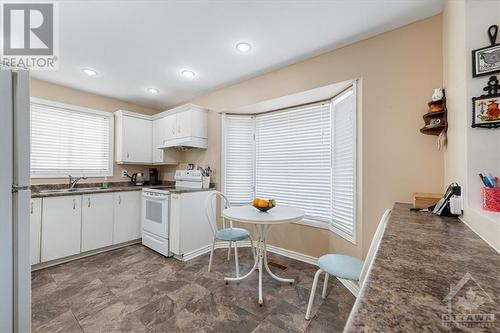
{"x": 155, "y": 213}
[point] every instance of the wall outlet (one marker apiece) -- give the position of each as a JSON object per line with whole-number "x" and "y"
{"x": 124, "y": 173}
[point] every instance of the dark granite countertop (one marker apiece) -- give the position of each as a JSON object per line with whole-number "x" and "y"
{"x": 37, "y": 191}
{"x": 428, "y": 268}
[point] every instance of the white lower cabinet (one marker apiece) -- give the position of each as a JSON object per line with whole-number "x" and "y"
{"x": 35, "y": 229}
{"x": 127, "y": 217}
{"x": 97, "y": 221}
{"x": 189, "y": 226}
{"x": 68, "y": 225}
{"x": 61, "y": 226}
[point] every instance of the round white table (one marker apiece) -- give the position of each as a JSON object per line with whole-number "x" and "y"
{"x": 262, "y": 221}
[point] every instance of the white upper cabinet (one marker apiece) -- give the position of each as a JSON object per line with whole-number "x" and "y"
{"x": 170, "y": 127}
{"x": 143, "y": 139}
{"x": 133, "y": 138}
{"x": 185, "y": 126}
{"x": 162, "y": 156}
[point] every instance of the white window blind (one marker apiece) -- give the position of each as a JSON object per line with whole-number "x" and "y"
{"x": 70, "y": 140}
{"x": 344, "y": 163}
{"x": 293, "y": 159}
{"x": 303, "y": 157}
{"x": 239, "y": 152}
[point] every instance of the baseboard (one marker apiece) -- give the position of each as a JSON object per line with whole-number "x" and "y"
{"x": 54, "y": 262}
{"x": 194, "y": 254}
{"x": 352, "y": 286}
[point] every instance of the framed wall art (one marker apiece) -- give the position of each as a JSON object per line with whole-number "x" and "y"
{"x": 486, "y": 60}
{"x": 485, "y": 108}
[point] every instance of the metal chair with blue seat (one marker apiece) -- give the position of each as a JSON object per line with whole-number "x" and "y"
{"x": 347, "y": 267}
{"x": 231, "y": 234}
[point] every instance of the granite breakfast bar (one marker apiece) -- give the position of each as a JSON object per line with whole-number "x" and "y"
{"x": 430, "y": 274}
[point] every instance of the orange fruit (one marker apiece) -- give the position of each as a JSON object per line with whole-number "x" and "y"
{"x": 263, "y": 203}
{"x": 255, "y": 201}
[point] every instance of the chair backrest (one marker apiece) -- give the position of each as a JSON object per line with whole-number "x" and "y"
{"x": 374, "y": 246}
{"x": 211, "y": 209}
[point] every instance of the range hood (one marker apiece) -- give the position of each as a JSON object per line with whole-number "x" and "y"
{"x": 189, "y": 142}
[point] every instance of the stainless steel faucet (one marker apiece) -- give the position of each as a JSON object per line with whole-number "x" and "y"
{"x": 73, "y": 181}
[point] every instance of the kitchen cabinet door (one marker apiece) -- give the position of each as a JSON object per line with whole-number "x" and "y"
{"x": 127, "y": 212}
{"x": 158, "y": 138}
{"x": 199, "y": 124}
{"x": 61, "y": 226}
{"x": 97, "y": 221}
{"x": 170, "y": 123}
{"x": 137, "y": 139}
{"x": 183, "y": 124}
{"x": 175, "y": 224}
{"x": 35, "y": 229}
{"x": 189, "y": 226}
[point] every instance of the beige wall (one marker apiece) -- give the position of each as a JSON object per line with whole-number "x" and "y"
{"x": 58, "y": 93}
{"x": 398, "y": 71}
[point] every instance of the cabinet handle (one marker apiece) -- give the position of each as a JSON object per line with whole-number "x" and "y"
{"x": 119, "y": 199}
{"x": 31, "y": 210}
{"x": 128, "y": 155}
{"x": 74, "y": 204}
{"x": 89, "y": 201}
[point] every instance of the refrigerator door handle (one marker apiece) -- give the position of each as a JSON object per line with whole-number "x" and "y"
{"x": 16, "y": 188}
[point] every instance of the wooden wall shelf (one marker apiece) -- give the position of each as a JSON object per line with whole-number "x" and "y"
{"x": 432, "y": 116}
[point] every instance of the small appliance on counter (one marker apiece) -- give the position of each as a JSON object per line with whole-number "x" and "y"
{"x": 137, "y": 178}
{"x": 153, "y": 176}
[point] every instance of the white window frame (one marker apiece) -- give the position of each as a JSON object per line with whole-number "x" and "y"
{"x": 75, "y": 108}
{"x": 330, "y": 226}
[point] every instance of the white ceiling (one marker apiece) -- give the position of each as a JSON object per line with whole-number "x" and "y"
{"x": 139, "y": 44}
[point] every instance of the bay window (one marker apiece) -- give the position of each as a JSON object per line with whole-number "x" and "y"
{"x": 303, "y": 156}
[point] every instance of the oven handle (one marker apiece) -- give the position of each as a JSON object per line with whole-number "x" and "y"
{"x": 155, "y": 197}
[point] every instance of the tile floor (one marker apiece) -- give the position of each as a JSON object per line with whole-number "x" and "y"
{"x": 134, "y": 289}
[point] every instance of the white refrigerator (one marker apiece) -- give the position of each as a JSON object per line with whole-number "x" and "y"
{"x": 15, "y": 274}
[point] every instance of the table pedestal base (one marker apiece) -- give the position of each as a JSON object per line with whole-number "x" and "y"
{"x": 260, "y": 260}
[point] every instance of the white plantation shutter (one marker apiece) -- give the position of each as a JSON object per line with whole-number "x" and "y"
{"x": 239, "y": 157}
{"x": 344, "y": 163}
{"x": 293, "y": 159}
{"x": 70, "y": 140}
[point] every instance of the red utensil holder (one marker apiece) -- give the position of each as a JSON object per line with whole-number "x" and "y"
{"x": 491, "y": 199}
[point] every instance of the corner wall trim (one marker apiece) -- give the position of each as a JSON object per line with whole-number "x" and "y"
{"x": 352, "y": 286}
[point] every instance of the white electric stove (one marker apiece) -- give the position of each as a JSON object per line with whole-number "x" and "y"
{"x": 156, "y": 210}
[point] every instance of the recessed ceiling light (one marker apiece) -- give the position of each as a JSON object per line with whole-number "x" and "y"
{"x": 188, "y": 73}
{"x": 89, "y": 72}
{"x": 153, "y": 91}
{"x": 243, "y": 47}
